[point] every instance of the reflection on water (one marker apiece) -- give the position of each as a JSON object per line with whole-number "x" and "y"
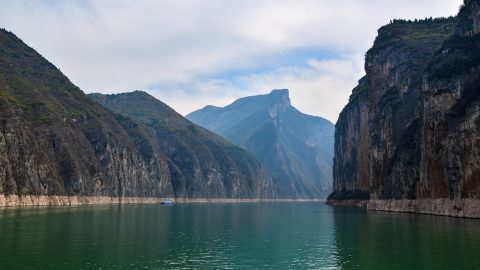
{"x": 184, "y": 236}
{"x": 232, "y": 236}
{"x": 383, "y": 240}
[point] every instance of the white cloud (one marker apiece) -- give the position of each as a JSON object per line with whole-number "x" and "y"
{"x": 115, "y": 46}
{"x": 321, "y": 87}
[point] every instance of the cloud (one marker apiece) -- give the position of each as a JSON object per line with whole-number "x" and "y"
{"x": 320, "y": 87}
{"x": 191, "y": 47}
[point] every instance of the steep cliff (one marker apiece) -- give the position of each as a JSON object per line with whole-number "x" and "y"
{"x": 450, "y": 141}
{"x": 297, "y": 149}
{"x": 54, "y": 140}
{"x": 352, "y": 146}
{"x": 376, "y": 143}
{"x": 411, "y": 133}
{"x": 394, "y": 70}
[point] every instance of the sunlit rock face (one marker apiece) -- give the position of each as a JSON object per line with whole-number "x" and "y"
{"x": 410, "y": 129}
{"x": 297, "y": 149}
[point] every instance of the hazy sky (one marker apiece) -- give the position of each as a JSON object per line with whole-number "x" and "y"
{"x": 193, "y": 53}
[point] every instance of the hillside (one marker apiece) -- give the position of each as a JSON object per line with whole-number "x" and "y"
{"x": 55, "y": 140}
{"x": 202, "y": 162}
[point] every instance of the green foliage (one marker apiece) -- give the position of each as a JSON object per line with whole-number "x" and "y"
{"x": 417, "y": 33}
{"x": 9, "y": 98}
{"x": 36, "y": 89}
{"x": 427, "y": 21}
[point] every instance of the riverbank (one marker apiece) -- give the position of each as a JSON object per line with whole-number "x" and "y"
{"x": 348, "y": 203}
{"x": 43, "y": 200}
{"x": 466, "y": 208}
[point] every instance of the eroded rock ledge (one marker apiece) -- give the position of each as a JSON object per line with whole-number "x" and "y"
{"x": 466, "y": 208}
{"x": 35, "y": 200}
{"x": 348, "y": 203}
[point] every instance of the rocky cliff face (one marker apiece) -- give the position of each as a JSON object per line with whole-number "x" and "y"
{"x": 450, "y": 116}
{"x": 412, "y": 132}
{"x": 297, "y": 149}
{"x": 352, "y": 147}
{"x": 394, "y": 70}
{"x": 54, "y": 140}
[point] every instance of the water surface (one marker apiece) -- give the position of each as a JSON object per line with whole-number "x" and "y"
{"x": 303, "y": 235}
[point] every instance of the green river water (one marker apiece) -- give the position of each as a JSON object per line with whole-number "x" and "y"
{"x": 300, "y": 235}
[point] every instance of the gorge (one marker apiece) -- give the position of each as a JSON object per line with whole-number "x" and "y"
{"x": 406, "y": 141}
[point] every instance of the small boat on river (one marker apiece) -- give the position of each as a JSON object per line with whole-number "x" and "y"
{"x": 169, "y": 202}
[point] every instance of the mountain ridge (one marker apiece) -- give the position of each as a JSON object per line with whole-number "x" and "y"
{"x": 293, "y": 146}
{"x": 56, "y": 141}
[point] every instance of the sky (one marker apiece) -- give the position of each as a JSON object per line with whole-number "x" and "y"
{"x": 190, "y": 54}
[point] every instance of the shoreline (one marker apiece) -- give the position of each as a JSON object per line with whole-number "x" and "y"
{"x": 464, "y": 208}
{"x": 348, "y": 203}
{"x": 45, "y": 200}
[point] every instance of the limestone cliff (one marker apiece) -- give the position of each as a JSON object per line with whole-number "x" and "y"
{"x": 411, "y": 132}
{"x": 352, "y": 142}
{"x": 450, "y": 115}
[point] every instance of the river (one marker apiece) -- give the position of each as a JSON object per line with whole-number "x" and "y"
{"x": 283, "y": 235}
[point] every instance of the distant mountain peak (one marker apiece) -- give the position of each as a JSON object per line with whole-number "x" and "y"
{"x": 211, "y": 107}
{"x": 279, "y": 92}
{"x": 139, "y": 92}
{"x": 297, "y": 149}
{"x": 281, "y": 95}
